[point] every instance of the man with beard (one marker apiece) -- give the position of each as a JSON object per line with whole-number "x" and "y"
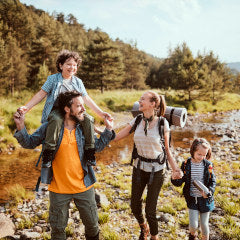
{"x": 73, "y": 177}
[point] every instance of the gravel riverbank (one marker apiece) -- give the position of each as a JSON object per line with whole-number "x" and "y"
{"x": 28, "y": 220}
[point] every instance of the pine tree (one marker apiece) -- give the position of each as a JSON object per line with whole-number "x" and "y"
{"x": 102, "y": 67}
{"x": 135, "y": 75}
{"x": 42, "y": 75}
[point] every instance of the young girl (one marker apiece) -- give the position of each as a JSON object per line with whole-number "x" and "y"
{"x": 149, "y": 164}
{"x": 198, "y": 167}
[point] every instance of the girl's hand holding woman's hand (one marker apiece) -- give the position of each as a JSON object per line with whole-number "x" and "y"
{"x": 177, "y": 174}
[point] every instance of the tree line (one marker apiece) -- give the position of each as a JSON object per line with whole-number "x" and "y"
{"x": 30, "y": 40}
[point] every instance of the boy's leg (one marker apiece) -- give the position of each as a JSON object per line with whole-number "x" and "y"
{"x": 88, "y": 132}
{"x": 55, "y": 122}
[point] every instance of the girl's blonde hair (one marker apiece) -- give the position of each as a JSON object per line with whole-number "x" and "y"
{"x": 201, "y": 142}
{"x": 160, "y": 103}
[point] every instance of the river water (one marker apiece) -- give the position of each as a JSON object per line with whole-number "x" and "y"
{"x": 19, "y": 165}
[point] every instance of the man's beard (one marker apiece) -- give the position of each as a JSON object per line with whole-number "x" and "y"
{"x": 76, "y": 118}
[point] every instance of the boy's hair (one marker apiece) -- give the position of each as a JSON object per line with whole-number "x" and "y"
{"x": 204, "y": 143}
{"x": 160, "y": 103}
{"x": 66, "y": 99}
{"x": 66, "y": 54}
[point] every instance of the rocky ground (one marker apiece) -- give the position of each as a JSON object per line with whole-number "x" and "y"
{"x": 29, "y": 220}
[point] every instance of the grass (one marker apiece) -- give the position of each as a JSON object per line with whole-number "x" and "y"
{"x": 230, "y": 229}
{"x": 110, "y": 101}
{"x": 17, "y": 194}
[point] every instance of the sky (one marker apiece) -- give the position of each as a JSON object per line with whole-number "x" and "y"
{"x": 159, "y": 25}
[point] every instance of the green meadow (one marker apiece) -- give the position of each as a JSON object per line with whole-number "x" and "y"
{"x": 110, "y": 101}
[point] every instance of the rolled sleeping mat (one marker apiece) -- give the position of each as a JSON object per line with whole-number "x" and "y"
{"x": 175, "y": 115}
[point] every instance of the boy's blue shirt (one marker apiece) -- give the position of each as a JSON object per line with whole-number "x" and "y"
{"x": 37, "y": 138}
{"x": 52, "y": 87}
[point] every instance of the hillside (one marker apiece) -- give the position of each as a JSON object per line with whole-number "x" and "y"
{"x": 234, "y": 66}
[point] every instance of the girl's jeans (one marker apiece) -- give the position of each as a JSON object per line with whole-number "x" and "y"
{"x": 151, "y": 200}
{"x": 193, "y": 221}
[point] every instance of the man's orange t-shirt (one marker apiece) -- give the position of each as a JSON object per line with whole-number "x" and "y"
{"x": 68, "y": 173}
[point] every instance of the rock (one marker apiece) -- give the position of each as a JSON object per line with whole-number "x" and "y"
{"x": 7, "y": 227}
{"x": 25, "y": 235}
{"x": 37, "y": 229}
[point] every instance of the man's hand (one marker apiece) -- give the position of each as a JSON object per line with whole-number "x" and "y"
{"x": 19, "y": 120}
{"x": 108, "y": 124}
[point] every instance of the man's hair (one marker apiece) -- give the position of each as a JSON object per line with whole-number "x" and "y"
{"x": 65, "y": 55}
{"x": 66, "y": 99}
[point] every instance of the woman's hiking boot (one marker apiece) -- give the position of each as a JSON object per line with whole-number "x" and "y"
{"x": 154, "y": 238}
{"x": 92, "y": 238}
{"x": 144, "y": 231}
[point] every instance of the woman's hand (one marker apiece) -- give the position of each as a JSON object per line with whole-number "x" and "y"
{"x": 22, "y": 109}
{"x": 107, "y": 116}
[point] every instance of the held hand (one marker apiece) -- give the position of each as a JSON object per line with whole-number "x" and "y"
{"x": 97, "y": 130}
{"x": 177, "y": 174}
{"x": 19, "y": 120}
{"x": 22, "y": 109}
{"x": 108, "y": 124}
{"x": 107, "y": 115}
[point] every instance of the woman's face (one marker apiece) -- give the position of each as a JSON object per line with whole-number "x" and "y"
{"x": 200, "y": 154}
{"x": 69, "y": 68}
{"x": 144, "y": 102}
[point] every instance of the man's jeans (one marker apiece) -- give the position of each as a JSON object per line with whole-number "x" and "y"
{"x": 58, "y": 212}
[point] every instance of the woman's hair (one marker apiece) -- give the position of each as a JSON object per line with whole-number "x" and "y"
{"x": 201, "y": 142}
{"x": 160, "y": 103}
{"x": 66, "y": 54}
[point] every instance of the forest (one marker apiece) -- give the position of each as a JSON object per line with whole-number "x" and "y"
{"x": 30, "y": 40}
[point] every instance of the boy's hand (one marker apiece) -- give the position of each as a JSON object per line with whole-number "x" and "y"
{"x": 107, "y": 115}
{"x": 22, "y": 109}
{"x": 108, "y": 124}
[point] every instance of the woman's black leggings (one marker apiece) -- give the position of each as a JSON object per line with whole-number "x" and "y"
{"x": 138, "y": 186}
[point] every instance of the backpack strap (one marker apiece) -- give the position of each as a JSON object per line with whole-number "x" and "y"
{"x": 210, "y": 169}
{"x": 161, "y": 133}
{"x": 137, "y": 121}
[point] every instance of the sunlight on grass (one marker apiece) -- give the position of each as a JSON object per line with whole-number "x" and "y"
{"x": 17, "y": 193}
